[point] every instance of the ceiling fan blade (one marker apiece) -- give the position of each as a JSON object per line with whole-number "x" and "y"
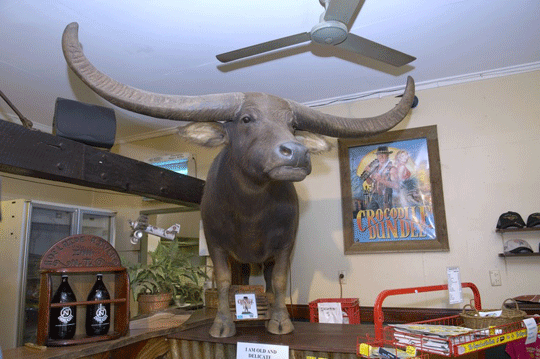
{"x": 264, "y": 47}
{"x": 375, "y": 51}
{"x": 341, "y": 10}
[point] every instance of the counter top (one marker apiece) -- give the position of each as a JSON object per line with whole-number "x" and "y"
{"x": 142, "y": 328}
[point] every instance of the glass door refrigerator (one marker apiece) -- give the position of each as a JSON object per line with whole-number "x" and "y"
{"x": 28, "y": 229}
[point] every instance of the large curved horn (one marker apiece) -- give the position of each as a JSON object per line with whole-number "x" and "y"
{"x": 208, "y": 108}
{"x": 308, "y": 119}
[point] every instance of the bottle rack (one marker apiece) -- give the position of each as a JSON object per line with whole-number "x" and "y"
{"x": 83, "y": 254}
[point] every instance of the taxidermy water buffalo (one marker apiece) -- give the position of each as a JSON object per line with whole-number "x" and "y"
{"x": 249, "y": 206}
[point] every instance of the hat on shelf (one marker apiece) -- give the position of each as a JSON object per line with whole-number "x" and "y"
{"x": 510, "y": 219}
{"x": 517, "y": 246}
{"x": 533, "y": 220}
{"x": 531, "y": 298}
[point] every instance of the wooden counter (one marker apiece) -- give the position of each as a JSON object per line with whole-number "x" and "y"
{"x": 307, "y": 340}
{"x": 143, "y": 332}
{"x": 184, "y": 334}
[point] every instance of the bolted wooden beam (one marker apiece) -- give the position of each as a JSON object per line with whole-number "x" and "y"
{"x": 41, "y": 155}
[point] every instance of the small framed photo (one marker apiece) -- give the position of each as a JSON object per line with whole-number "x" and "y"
{"x": 246, "y": 306}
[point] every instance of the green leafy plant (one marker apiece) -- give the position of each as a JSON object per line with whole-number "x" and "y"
{"x": 170, "y": 271}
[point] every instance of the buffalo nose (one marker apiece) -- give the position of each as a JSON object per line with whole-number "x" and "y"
{"x": 293, "y": 151}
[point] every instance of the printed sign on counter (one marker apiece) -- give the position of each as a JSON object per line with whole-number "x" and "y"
{"x": 261, "y": 351}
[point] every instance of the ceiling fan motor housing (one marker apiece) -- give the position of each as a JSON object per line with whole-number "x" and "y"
{"x": 329, "y": 33}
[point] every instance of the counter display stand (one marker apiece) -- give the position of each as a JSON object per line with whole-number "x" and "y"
{"x": 82, "y": 257}
{"x": 449, "y": 345}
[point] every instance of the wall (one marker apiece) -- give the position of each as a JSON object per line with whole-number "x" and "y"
{"x": 15, "y": 187}
{"x": 487, "y": 132}
{"x": 488, "y": 138}
{"x": 126, "y": 206}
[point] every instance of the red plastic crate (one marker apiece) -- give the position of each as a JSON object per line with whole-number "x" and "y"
{"x": 351, "y": 307}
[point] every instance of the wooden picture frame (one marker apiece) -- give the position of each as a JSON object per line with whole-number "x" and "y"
{"x": 392, "y": 196}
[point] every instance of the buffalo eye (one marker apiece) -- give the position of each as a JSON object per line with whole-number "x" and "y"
{"x": 246, "y": 119}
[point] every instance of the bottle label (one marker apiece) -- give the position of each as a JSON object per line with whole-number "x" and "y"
{"x": 101, "y": 314}
{"x": 65, "y": 315}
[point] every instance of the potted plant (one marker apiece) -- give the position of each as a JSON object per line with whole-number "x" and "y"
{"x": 170, "y": 275}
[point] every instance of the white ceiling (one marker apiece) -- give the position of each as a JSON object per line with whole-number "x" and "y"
{"x": 169, "y": 46}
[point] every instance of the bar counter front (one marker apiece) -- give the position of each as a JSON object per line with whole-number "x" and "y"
{"x": 183, "y": 334}
{"x": 307, "y": 341}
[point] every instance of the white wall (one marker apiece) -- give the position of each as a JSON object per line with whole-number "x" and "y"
{"x": 488, "y": 136}
{"x": 487, "y": 132}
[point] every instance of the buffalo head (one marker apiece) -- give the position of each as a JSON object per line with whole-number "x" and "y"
{"x": 262, "y": 138}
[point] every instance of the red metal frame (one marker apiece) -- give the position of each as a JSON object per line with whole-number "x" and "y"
{"x": 378, "y": 316}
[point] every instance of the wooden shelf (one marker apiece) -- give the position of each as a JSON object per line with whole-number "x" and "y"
{"x": 83, "y": 254}
{"x": 85, "y": 269}
{"x": 508, "y": 255}
{"x": 525, "y": 229}
{"x": 105, "y": 301}
{"x": 83, "y": 339}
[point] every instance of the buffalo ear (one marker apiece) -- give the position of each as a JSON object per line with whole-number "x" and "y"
{"x": 208, "y": 134}
{"x": 315, "y": 143}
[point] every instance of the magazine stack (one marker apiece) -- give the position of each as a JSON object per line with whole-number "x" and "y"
{"x": 435, "y": 339}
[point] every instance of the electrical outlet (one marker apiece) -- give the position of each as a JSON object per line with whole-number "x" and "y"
{"x": 495, "y": 276}
{"x": 342, "y": 276}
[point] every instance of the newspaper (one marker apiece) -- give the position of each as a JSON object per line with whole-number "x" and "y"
{"x": 424, "y": 343}
{"x": 432, "y": 338}
{"x": 441, "y": 331}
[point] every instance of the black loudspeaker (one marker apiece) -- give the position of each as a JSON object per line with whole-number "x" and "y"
{"x": 90, "y": 124}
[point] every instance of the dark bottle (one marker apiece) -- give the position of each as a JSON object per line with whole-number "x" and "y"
{"x": 63, "y": 319}
{"x": 98, "y": 315}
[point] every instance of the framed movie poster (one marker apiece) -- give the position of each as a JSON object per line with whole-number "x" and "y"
{"x": 392, "y": 195}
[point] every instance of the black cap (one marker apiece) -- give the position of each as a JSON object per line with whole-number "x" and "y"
{"x": 510, "y": 219}
{"x": 383, "y": 150}
{"x": 533, "y": 220}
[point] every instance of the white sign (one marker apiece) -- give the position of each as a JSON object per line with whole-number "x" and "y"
{"x": 330, "y": 312}
{"x": 203, "y": 247}
{"x": 455, "y": 294}
{"x": 261, "y": 351}
{"x": 246, "y": 306}
{"x": 532, "y": 330}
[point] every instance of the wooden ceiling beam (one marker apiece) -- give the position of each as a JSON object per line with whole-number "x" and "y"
{"x": 41, "y": 155}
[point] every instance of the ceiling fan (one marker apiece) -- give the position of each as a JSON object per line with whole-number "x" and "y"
{"x": 332, "y": 30}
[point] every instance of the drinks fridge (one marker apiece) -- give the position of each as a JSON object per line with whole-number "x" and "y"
{"x": 27, "y": 230}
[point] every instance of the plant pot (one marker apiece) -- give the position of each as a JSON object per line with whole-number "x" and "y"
{"x": 149, "y": 303}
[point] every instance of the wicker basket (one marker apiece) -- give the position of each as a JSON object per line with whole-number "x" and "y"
{"x": 472, "y": 319}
